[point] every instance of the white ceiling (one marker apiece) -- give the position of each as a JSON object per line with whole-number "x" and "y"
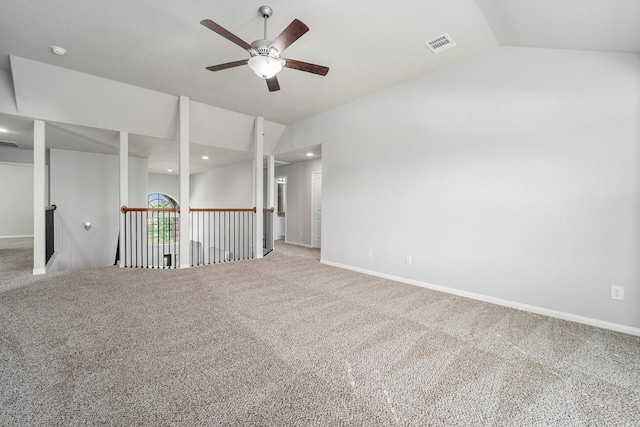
{"x": 160, "y": 45}
{"x": 596, "y": 25}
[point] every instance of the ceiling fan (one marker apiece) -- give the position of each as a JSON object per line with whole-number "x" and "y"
{"x": 265, "y": 59}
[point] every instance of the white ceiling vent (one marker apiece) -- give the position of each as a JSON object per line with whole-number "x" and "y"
{"x": 9, "y": 144}
{"x": 440, "y": 43}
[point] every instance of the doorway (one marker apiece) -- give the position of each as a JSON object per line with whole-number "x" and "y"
{"x": 316, "y": 209}
{"x": 280, "y": 226}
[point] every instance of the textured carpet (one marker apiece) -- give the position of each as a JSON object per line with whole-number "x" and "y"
{"x": 287, "y": 341}
{"x": 16, "y": 262}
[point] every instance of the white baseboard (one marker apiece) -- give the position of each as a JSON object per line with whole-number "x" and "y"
{"x": 16, "y": 237}
{"x": 498, "y": 301}
{"x": 304, "y": 245}
{"x": 38, "y": 271}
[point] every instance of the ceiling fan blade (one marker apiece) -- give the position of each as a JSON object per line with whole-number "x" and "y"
{"x": 293, "y": 32}
{"x": 228, "y": 35}
{"x": 305, "y": 66}
{"x": 273, "y": 84}
{"x": 228, "y": 65}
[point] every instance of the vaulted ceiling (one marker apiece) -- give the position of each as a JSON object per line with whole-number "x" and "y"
{"x": 368, "y": 45}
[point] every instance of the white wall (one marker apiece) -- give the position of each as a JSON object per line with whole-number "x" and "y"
{"x": 85, "y": 187}
{"x": 217, "y": 127}
{"x": 226, "y": 187}
{"x": 512, "y": 175}
{"x": 165, "y": 184}
{"x": 7, "y": 96}
{"x": 55, "y": 94}
{"x": 66, "y": 96}
{"x": 298, "y": 214}
{"x": 16, "y": 155}
{"x": 16, "y": 193}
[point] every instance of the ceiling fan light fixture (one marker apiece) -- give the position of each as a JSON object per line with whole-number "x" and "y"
{"x": 265, "y": 66}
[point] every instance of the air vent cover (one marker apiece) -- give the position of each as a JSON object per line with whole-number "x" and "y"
{"x": 440, "y": 43}
{"x": 9, "y": 144}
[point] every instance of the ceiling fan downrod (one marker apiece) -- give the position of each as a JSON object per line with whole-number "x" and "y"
{"x": 266, "y": 13}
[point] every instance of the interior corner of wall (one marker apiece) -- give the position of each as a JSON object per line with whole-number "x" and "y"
{"x": 281, "y": 145}
{"x": 8, "y": 100}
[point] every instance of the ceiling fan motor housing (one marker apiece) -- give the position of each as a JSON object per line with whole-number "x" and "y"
{"x": 262, "y": 46}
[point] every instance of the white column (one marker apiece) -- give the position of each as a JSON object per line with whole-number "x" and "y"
{"x": 259, "y": 188}
{"x": 271, "y": 189}
{"x": 124, "y": 190}
{"x": 271, "y": 193}
{"x": 39, "y": 238}
{"x": 185, "y": 232}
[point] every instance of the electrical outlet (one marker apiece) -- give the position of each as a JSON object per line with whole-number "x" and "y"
{"x": 617, "y": 292}
{"x": 408, "y": 259}
{"x": 370, "y": 253}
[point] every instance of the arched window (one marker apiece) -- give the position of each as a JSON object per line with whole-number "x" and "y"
{"x": 162, "y": 226}
{"x": 159, "y": 200}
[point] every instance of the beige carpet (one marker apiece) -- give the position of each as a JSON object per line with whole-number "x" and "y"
{"x": 287, "y": 341}
{"x": 16, "y": 262}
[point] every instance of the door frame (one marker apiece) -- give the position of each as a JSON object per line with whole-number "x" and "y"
{"x": 314, "y": 237}
{"x": 284, "y": 204}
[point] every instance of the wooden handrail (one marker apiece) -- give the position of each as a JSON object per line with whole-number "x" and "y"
{"x": 51, "y": 208}
{"x": 125, "y": 209}
{"x": 222, "y": 210}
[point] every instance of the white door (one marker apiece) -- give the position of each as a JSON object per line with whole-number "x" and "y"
{"x": 316, "y": 209}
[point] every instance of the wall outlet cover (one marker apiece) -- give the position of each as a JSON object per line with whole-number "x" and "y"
{"x": 617, "y": 293}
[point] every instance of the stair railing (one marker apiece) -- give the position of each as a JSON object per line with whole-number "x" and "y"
{"x": 267, "y": 240}
{"x": 217, "y": 235}
{"x": 49, "y": 228}
{"x": 151, "y": 237}
{"x": 221, "y": 235}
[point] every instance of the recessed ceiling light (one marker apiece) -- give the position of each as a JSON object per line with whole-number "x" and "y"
{"x": 3, "y": 130}
{"x": 58, "y": 50}
{"x": 309, "y": 154}
{"x": 205, "y": 157}
{"x": 169, "y": 170}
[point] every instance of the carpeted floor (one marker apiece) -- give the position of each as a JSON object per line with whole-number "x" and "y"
{"x": 287, "y": 341}
{"x": 16, "y": 262}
